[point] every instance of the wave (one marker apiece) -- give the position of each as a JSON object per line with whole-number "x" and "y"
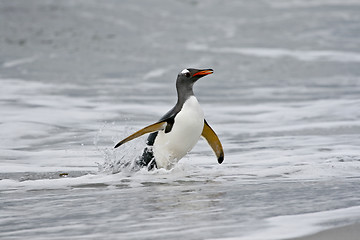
{"x": 301, "y": 55}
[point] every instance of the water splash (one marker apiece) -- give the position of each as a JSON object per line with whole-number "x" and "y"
{"x": 122, "y": 159}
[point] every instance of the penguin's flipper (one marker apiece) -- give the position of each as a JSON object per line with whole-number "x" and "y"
{"x": 151, "y": 128}
{"x": 213, "y": 141}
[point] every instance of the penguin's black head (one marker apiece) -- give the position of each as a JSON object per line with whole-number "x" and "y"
{"x": 189, "y": 76}
{"x": 186, "y": 80}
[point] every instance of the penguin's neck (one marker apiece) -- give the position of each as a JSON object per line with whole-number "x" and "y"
{"x": 184, "y": 93}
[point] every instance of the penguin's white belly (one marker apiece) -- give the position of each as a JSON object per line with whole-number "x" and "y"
{"x": 170, "y": 147}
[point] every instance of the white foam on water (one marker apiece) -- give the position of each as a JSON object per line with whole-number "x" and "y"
{"x": 292, "y": 226}
{"x": 310, "y": 4}
{"x": 156, "y": 73}
{"x": 17, "y": 62}
{"x": 272, "y": 125}
{"x": 301, "y": 55}
{"x": 106, "y": 177}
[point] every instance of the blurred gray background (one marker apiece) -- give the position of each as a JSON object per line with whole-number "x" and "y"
{"x": 149, "y": 41}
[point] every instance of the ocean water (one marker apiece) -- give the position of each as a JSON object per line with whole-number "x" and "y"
{"x": 78, "y": 76}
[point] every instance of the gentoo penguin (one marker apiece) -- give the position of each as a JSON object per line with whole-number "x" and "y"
{"x": 177, "y": 132}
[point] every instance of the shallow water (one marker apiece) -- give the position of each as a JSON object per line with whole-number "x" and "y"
{"x": 284, "y": 100}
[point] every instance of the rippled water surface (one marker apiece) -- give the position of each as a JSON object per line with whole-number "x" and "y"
{"x": 78, "y": 76}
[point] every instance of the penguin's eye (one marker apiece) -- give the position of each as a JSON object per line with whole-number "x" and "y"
{"x": 187, "y": 74}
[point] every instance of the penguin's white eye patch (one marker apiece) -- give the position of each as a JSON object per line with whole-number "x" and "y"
{"x": 186, "y": 72}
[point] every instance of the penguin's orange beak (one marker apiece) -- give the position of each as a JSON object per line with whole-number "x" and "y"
{"x": 203, "y": 72}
